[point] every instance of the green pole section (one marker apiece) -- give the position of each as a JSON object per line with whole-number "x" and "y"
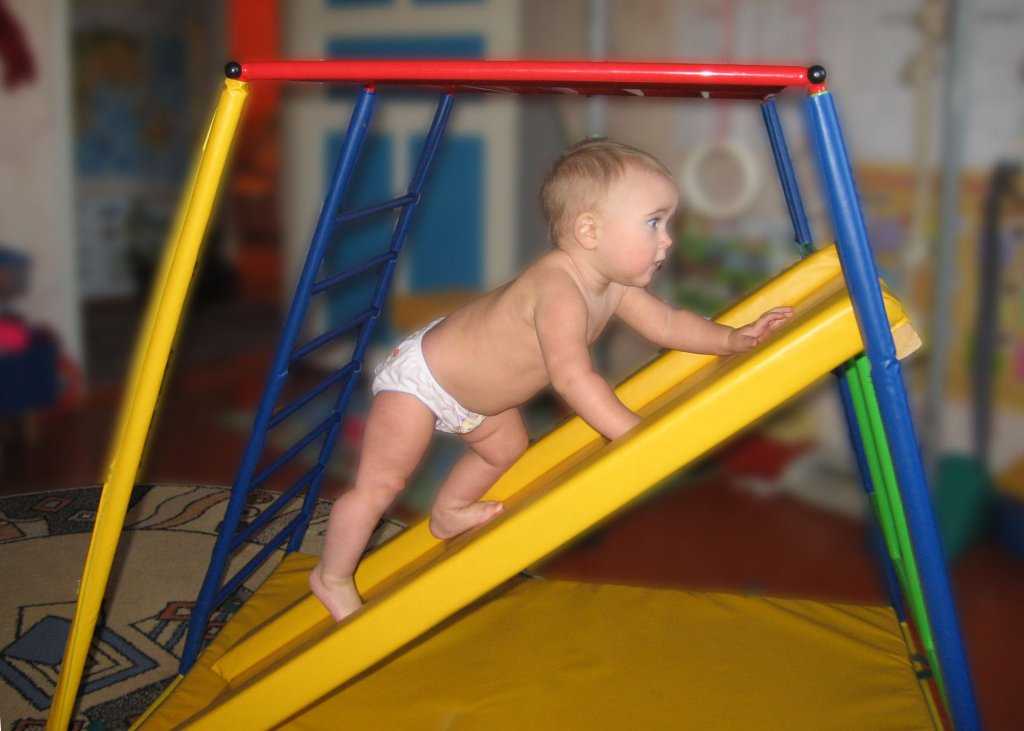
{"x": 888, "y": 502}
{"x": 881, "y": 505}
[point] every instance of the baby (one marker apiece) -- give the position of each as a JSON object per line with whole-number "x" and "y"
{"x": 609, "y": 208}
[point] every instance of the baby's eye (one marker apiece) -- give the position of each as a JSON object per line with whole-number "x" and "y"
{"x": 652, "y": 222}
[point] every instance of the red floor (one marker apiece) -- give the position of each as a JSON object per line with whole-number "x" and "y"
{"x": 703, "y": 533}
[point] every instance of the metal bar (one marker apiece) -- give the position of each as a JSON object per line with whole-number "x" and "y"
{"x": 787, "y": 177}
{"x": 880, "y": 479}
{"x": 326, "y": 337}
{"x": 232, "y": 584}
{"x": 337, "y": 279}
{"x": 149, "y": 369}
{"x": 889, "y": 575}
{"x": 889, "y": 503}
{"x": 317, "y": 431}
{"x": 430, "y": 145}
{"x": 318, "y": 389}
{"x": 398, "y": 236}
{"x": 357, "y": 129}
{"x": 955, "y": 107}
{"x": 856, "y": 428}
{"x": 844, "y": 376}
{"x": 377, "y": 208}
{"x": 862, "y": 280}
{"x": 991, "y": 273}
{"x": 445, "y": 73}
{"x": 306, "y": 512}
{"x": 274, "y": 508}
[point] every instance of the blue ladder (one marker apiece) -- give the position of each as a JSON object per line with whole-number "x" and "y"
{"x": 215, "y": 590}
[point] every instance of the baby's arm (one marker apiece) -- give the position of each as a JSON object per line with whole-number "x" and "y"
{"x": 560, "y": 317}
{"x": 668, "y": 327}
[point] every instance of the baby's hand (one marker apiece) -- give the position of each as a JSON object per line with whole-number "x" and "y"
{"x": 745, "y": 338}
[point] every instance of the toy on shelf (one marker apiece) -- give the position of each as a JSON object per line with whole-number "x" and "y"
{"x": 29, "y": 356}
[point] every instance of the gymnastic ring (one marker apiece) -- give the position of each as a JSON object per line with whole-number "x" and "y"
{"x": 698, "y": 198}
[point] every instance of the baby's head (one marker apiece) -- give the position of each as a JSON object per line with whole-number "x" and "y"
{"x": 582, "y": 177}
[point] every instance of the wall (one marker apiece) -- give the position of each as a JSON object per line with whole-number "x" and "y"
{"x": 868, "y": 48}
{"x": 314, "y": 119}
{"x": 35, "y": 172}
{"x": 144, "y": 81}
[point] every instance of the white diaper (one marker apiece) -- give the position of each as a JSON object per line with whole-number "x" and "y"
{"x": 405, "y": 370}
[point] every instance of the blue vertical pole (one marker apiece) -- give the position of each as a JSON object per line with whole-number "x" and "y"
{"x": 862, "y": 281}
{"x": 805, "y": 242}
{"x": 398, "y": 237}
{"x": 787, "y": 177}
{"x": 358, "y": 125}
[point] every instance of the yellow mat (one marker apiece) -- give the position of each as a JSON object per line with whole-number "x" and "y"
{"x": 560, "y": 655}
{"x": 564, "y": 655}
{"x": 566, "y": 483}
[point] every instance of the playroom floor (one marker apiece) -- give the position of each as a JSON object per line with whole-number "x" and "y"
{"x": 704, "y": 531}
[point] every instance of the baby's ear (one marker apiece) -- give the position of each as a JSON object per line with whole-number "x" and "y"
{"x": 585, "y": 230}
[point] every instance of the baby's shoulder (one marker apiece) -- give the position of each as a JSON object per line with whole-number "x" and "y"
{"x": 549, "y": 275}
{"x": 553, "y": 291}
{"x": 545, "y": 286}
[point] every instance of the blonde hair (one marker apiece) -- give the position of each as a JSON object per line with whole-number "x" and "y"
{"x": 582, "y": 176}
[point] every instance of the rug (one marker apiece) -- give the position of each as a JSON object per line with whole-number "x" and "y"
{"x": 161, "y": 560}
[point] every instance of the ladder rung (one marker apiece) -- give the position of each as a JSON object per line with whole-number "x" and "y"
{"x": 295, "y": 449}
{"x": 274, "y": 508}
{"x": 378, "y": 208}
{"x": 291, "y": 408}
{"x": 343, "y": 276}
{"x": 331, "y": 334}
{"x": 246, "y": 571}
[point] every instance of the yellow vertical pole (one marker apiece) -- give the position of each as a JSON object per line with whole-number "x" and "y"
{"x": 152, "y": 352}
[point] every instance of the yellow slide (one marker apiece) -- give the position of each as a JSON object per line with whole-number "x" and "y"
{"x": 265, "y": 668}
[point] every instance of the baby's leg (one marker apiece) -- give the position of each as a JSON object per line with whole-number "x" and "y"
{"x": 397, "y": 433}
{"x": 493, "y": 447}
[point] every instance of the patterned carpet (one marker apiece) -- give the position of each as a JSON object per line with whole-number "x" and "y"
{"x": 161, "y": 560}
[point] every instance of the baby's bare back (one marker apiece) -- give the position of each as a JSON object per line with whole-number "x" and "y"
{"x": 487, "y": 354}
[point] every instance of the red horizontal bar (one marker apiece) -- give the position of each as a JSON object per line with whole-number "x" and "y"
{"x": 601, "y": 77}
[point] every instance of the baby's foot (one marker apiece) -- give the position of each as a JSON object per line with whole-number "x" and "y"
{"x": 338, "y": 595}
{"x": 449, "y": 522}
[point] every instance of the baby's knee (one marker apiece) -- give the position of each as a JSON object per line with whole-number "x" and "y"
{"x": 510, "y": 452}
{"x": 380, "y": 490}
